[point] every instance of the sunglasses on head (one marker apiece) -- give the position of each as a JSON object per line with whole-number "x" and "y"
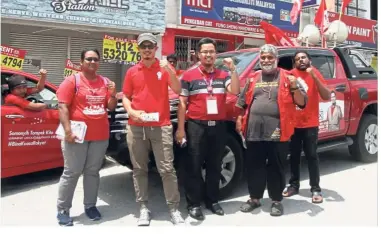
{"x": 147, "y": 46}
{"x": 90, "y": 59}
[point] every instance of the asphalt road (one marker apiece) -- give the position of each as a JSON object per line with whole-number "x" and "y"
{"x": 350, "y": 199}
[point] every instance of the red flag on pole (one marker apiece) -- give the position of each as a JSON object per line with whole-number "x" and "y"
{"x": 295, "y": 11}
{"x": 275, "y": 36}
{"x": 322, "y": 20}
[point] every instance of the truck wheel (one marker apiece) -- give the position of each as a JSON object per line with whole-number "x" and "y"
{"x": 232, "y": 167}
{"x": 365, "y": 145}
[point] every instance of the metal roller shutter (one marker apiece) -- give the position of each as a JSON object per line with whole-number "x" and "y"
{"x": 51, "y": 50}
{"x": 112, "y": 71}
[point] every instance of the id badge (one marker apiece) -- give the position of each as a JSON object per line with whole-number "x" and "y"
{"x": 211, "y": 106}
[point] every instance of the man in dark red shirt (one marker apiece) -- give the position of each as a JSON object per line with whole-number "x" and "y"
{"x": 18, "y": 91}
{"x": 202, "y": 101}
{"x": 149, "y": 128}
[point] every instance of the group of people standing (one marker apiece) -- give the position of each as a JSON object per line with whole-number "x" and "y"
{"x": 277, "y": 106}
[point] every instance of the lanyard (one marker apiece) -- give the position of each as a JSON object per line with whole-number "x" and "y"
{"x": 208, "y": 83}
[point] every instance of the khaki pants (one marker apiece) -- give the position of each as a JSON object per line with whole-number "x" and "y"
{"x": 141, "y": 140}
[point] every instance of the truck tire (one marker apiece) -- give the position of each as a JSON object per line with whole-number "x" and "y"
{"x": 364, "y": 147}
{"x": 232, "y": 167}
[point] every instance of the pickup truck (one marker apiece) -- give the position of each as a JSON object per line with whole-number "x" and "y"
{"x": 349, "y": 119}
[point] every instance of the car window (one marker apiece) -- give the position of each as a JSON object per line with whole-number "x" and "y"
{"x": 357, "y": 61}
{"x": 325, "y": 64}
{"x": 241, "y": 60}
{"x": 46, "y": 95}
{"x": 286, "y": 62}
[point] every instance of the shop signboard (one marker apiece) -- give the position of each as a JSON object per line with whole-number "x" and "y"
{"x": 147, "y": 15}
{"x": 238, "y": 15}
{"x": 361, "y": 32}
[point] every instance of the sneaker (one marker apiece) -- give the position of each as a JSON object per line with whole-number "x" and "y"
{"x": 176, "y": 218}
{"x": 93, "y": 213}
{"x": 64, "y": 219}
{"x": 144, "y": 217}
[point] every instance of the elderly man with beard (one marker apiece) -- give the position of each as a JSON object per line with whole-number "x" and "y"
{"x": 203, "y": 102}
{"x": 307, "y": 126}
{"x": 149, "y": 128}
{"x": 267, "y": 123}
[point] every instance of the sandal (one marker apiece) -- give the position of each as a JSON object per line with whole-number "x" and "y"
{"x": 249, "y": 206}
{"x": 317, "y": 197}
{"x": 290, "y": 191}
{"x": 276, "y": 209}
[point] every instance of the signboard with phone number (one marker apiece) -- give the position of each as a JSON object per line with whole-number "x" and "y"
{"x": 12, "y": 58}
{"x": 120, "y": 50}
{"x": 71, "y": 68}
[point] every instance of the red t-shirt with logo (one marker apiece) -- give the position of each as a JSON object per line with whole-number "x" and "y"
{"x": 21, "y": 102}
{"x": 194, "y": 85}
{"x": 309, "y": 116}
{"x": 147, "y": 88}
{"x": 88, "y": 104}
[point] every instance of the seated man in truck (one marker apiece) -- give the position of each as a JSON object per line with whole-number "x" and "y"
{"x": 18, "y": 91}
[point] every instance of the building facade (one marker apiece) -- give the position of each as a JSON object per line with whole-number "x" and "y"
{"x": 53, "y": 31}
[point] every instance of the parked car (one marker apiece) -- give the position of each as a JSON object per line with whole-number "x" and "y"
{"x": 354, "y": 92}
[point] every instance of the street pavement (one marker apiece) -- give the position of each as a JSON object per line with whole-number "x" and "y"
{"x": 349, "y": 187}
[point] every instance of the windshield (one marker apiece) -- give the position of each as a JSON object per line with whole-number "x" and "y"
{"x": 241, "y": 60}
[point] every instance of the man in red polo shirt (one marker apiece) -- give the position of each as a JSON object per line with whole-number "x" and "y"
{"x": 202, "y": 101}
{"x": 307, "y": 126}
{"x": 149, "y": 128}
{"x": 18, "y": 91}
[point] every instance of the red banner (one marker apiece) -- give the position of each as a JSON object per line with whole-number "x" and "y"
{"x": 360, "y": 30}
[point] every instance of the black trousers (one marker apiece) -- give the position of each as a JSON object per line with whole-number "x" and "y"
{"x": 206, "y": 144}
{"x": 306, "y": 138}
{"x": 265, "y": 162}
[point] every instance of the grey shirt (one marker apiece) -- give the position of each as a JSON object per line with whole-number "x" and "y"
{"x": 264, "y": 117}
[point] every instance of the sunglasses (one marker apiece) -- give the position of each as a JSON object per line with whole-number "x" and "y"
{"x": 150, "y": 46}
{"x": 90, "y": 59}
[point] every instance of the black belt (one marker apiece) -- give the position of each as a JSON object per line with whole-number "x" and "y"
{"x": 209, "y": 123}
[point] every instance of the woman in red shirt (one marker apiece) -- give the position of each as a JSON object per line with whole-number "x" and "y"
{"x": 84, "y": 97}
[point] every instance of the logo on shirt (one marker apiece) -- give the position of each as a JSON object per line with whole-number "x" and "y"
{"x": 159, "y": 75}
{"x": 276, "y": 134}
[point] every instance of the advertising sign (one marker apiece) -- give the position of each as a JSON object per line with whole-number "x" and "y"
{"x": 12, "y": 58}
{"x": 120, "y": 50}
{"x": 147, "y": 15}
{"x": 331, "y": 114}
{"x": 238, "y": 15}
{"x": 362, "y": 32}
{"x": 71, "y": 68}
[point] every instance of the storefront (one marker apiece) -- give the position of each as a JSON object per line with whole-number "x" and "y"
{"x": 53, "y": 31}
{"x": 233, "y": 24}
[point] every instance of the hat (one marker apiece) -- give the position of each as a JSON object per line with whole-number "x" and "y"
{"x": 16, "y": 80}
{"x": 147, "y": 37}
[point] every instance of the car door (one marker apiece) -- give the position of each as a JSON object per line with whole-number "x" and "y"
{"x": 28, "y": 137}
{"x": 333, "y": 113}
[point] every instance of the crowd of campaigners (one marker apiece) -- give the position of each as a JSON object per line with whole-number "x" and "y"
{"x": 279, "y": 110}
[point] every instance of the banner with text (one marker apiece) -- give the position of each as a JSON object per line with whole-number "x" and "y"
{"x": 238, "y": 15}
{"x": 12, "y": 58}
{"x": 361, "y": 32}
{"x": 71, "y": 68}
{"x": 147, "y": 15}
{"x": 120, "y": 50}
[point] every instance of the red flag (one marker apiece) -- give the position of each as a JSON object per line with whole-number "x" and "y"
{"x": 295, "y": 11}
{"x": 275, "y": 36}
{"x": 344, "y": 5}
{"x": 321, "y": 17}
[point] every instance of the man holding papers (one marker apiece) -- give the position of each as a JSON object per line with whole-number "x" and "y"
{"x": 149, "y": 128}
{"x": 83, "y": 102}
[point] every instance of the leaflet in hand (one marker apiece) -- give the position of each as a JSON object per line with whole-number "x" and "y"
{"x": 78, "y": 128}
{"x": 150, "y": 117}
